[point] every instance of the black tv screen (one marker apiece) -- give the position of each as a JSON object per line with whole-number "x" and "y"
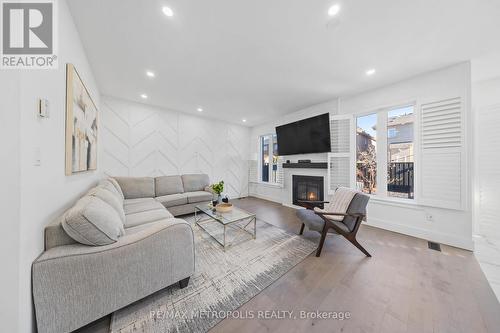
{"x": 311, "y": 135}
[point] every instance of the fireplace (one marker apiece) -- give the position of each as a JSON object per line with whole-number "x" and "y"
{"x": 307, "y": 188}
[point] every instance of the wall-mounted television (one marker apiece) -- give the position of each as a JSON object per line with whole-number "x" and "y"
{"x": 311, "y": 135}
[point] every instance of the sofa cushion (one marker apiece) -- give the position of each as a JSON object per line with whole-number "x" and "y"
{"x": 117, "y": 186}
{"x": 195, "y": 182}
{"x": 199, "y": 196}
{"x": 168, "y": 185}
{"x": 135, "y": 219}
{"x": 127, "y": 202}
{"x": 137, "y": 187}
{"x": 142, "y": 207}
{"x": 92, "y": 221}
{"x": 173, "y": 199}
{"x": 103, "y": 193}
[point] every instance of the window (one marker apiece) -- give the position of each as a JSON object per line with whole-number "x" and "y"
{"x": 385, "y": 165}
{"x": 268, "y": 158}
{"x": 391, "y": 132}
{"x": 366, "y": 153}
{"x": 400, "y": 171}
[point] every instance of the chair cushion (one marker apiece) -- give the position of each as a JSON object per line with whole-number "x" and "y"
{"x": 110, "y": 197}
{"x": 137, "y": 187}
{"x": 195, "y": 182}
{"x": 315, "y": 222}
{"x": 135, "y": 219}
{"x": 92, "y": 221}
{"x": 168, "y": 185}
{"x": 142, "y": 207}
{"x": 199, "y": 196}
{"x": 357, "y": 206}
{"x": 173, "y": 199}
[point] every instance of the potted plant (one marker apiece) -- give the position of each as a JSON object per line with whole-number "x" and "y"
{"x": 217, "y": 188}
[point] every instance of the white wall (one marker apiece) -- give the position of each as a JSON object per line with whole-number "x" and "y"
{"x": 9, "y": 199}
{"x": 45, "y": 190}
{"x": 486, "y": 106}
{"x": 141, "y": 140}
{"x": 275, "y": 193}
{"x": 452, "y": 227}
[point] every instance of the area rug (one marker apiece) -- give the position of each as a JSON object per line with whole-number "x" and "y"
{"x": 223, "y": 281}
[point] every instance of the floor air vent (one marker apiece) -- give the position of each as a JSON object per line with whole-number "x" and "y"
{"x": 434, "y": 246}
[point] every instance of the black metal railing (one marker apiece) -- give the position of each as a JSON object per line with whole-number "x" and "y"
{"x": 400, "y": 178}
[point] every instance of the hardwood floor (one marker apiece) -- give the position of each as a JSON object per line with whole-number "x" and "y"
{"x": 404, "y": 287}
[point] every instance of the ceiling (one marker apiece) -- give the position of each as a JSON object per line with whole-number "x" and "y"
{"x": 257, "y": 59}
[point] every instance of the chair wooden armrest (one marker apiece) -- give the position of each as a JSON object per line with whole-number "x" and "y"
{"x": 338, "y": 214}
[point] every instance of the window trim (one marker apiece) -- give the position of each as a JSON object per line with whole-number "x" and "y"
{"x": 382, "y": 116}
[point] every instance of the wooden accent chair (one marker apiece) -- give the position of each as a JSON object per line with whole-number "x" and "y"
{"x": 345, "y": 223}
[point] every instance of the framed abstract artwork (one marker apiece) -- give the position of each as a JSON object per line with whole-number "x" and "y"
{"x": 81, "y": 125}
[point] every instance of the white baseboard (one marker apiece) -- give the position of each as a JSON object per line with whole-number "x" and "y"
{"x": 463, "y": 243}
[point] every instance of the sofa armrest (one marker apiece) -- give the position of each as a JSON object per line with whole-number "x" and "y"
{"x": 209, "y": 189}
{"x": 76, "y": 284}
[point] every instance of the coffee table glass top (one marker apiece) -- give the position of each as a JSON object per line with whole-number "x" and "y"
{"x": 236, "y": 214}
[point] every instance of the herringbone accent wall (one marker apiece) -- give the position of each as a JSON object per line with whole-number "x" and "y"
{"x": 140, "y": 140}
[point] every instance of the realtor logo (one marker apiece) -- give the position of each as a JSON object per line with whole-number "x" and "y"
{"x": 28, "y": 35}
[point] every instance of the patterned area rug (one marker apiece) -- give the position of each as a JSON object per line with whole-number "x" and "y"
{"x": 223, "y": 281}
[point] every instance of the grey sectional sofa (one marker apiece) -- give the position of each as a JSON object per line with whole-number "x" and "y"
{"x": 118, "y": 244}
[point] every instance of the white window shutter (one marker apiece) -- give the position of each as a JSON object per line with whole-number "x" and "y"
{"x": 341, "y": 159}
{"x": 442, "y": 148}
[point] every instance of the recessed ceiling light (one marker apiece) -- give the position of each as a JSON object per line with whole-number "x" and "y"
{"x": 150, "y": 74}
{"x": 244, "y": 120}
{"x": 370, "y": 72}
{"x": 334, "y": 10}
{"x": 167, "y": 11}
{"x": 144, "y": 96}
{"x": 199, "y": 109}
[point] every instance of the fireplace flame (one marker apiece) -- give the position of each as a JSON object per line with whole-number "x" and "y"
{"x": 311, "y": 196}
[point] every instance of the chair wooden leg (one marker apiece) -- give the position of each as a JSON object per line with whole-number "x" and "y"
{"x": 302, "y": 229}
{"x": 362, "y": 249}
{"x": 322, "y": 240}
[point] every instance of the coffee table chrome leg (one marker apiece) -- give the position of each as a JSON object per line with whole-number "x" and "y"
{"x": 224, "y": 238}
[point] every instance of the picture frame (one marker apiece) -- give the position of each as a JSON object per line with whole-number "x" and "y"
{"x": 81, "y": 125}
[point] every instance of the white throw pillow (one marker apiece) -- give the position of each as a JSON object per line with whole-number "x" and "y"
{"x": 92, "y": 221}
{"x": 339, "y": 203}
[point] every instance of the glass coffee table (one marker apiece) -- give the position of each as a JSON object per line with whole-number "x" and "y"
{"x": 226, "y": 228}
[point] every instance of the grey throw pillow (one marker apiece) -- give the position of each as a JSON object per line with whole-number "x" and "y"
{"x": 109, "y": 196}
{"x": 92, "y": 221}
{"x": 117, "y": 186}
